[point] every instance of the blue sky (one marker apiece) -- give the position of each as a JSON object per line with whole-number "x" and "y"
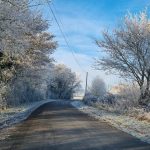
{"x": 82, "y": 21}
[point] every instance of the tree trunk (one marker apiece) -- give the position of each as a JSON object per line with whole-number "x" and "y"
{"x": 141, "y": 95}
{"x": 145, "y": 93}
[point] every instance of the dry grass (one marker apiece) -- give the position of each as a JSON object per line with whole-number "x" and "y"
{"x": 144, "y": 117}
{"x": 137, "y": 113}
{"x": 104, "y": 107}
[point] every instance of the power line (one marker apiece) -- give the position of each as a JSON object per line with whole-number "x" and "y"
{"x": 63, "y": 35}
{"x": 57, "y": 15}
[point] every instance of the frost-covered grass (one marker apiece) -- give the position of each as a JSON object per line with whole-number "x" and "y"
{"x": 16, "y": 114}
{"x": 138, "y": 113}
{"x": 9, "y": 112}
{"x": 131, "y": 125}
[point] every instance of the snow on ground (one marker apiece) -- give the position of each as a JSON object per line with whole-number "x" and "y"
{"x": 15, "y": 115}
{"x": 139, "y": 129}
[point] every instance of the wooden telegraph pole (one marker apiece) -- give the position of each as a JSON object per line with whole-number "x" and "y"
{"x": 86, "y": 84}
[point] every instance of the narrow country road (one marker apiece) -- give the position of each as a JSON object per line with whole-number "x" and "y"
{"x": 59, "y": 126}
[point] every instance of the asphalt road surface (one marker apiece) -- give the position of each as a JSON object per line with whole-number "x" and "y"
{"x": 57, "y": 126}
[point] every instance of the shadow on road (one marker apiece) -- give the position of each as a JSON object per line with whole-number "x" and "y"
{"x": 59, "y": 126}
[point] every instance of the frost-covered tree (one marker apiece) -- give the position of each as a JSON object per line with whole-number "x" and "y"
{"x": 128, "y": 52}
{"x": 25, "y": 49}
{"x": 63, "y": 83}
{"x": 98, "y": 87}
{"x": 22, "y": 35}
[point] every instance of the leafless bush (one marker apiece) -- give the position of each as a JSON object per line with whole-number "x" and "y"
{"x": 89, "y": 99}
{"x": 125, "y": 101}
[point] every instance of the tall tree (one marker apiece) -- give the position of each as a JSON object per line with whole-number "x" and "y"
{"x": 25, "y": 45}
{"x": 128, "y": 51}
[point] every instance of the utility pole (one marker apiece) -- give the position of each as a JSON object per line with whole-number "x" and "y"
{"x": 86, "y": 83}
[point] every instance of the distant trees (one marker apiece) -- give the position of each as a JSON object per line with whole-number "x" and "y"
{"x": 96, "y": 92}
{"x": 128, "y": 52}
{"x": 98, "y": 87}
{"x": 63, "y": 84}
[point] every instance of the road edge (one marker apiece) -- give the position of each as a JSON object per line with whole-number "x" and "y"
{"x": 17, "y": 118}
